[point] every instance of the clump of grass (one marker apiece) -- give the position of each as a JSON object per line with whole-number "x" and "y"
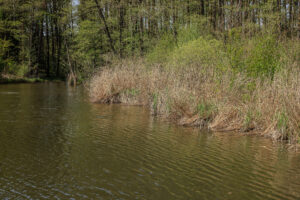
{"x": 118, "y": 84}
{"x": 8, "y": 78}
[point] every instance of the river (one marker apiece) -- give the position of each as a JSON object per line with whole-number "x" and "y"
{"x": 55, "y": 144}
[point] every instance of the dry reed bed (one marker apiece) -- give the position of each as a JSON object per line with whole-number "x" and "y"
{"x": 192, "y": 96}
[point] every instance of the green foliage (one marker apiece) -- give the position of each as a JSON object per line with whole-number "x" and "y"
{"x": 187, "y": 34}
{"x": 8, "y": 66}
{"x": 282, "y": 122}
{"x": 186, "y": 41}
{"x": 161, "y": 51}
{"x": 248, "y": 119}
{"x": 290, "y": 53}
{"x": 2, "y": 65}
{"x": 89, "y": 44}
{"x": 132, "y": 92}
{"x": 21, "y": 70}
{"x": 12, "y": 67}
{"x": 235, "y": 50}
{"x": 206, "y": 110}
{"x": 258, "y": 57}
{"x": 264, "y": 58}
{"x": 4, "y": 47}
{"x": 173, "y": 33}
{"x": 202, "y": 52}
{"x": 155, "y": 101}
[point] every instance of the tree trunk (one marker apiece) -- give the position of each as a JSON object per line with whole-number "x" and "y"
{"x": 101, "y": 15}
{"x": 48, "y": 48}
{"x": 121, "y": 26}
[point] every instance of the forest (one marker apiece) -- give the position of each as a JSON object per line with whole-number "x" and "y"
{"x": 224, "y": 64}
{"x": 54, "y": 38}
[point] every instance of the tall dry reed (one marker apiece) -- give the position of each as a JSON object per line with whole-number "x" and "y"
{"x": 193, "y": 96}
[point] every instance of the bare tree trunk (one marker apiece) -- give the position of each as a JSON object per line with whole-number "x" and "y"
{"x": 202, "y": 11}
{"x": 106, "y": 27}
{"x": 121, "y": 27}
{"x": 48, "y": 48}
{"x": 58, "y": 40}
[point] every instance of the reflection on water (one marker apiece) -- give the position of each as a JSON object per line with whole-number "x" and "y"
{"x": 54, "y": 144}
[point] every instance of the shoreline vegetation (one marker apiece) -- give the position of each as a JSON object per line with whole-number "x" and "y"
{"x": 7, "y": 79}
{"x": 247, "y": 85}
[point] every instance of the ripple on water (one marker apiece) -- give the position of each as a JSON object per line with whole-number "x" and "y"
{"x": 55, "y": 144}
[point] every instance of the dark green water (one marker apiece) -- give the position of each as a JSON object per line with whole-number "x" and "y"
{"x": 54, "y": 144}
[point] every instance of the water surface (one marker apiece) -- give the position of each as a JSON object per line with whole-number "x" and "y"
{"x": 54, "y": 144}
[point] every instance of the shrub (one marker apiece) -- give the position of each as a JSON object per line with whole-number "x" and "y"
{"x": 235, "y": 50}
{"x": 2, "y": 64}
{"x": 161, "y": 51}
{"x": 264, "y": 58}
{"x": 258, "y": 57}
{"x": 202, "y": 53}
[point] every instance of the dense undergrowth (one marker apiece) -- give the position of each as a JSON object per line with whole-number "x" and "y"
{"x": 233, "y": 84}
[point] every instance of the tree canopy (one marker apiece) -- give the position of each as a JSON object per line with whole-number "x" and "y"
{"x": 60, "y": 37}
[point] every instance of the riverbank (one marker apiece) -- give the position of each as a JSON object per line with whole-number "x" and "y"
{"x": 20, "y": 80}
{"x": 7, "y": 79}
{"x": 223, "y": 102}
{"x": 247, "y": 85}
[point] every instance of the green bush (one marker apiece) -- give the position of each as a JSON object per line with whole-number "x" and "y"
{"x": 290, "y": 53}
{"x": 2, "y": 64}
{"x": 235, "y": 50}
{"x": 163, "y": 48}
{"x": 88, "y": 45}
{"x": 202, "y": 53}
{"x": 186, "y": 35}
{"x": 12, "y": 68}
{"x": 264, "y": 58}
{"x": 258, "y": 57}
